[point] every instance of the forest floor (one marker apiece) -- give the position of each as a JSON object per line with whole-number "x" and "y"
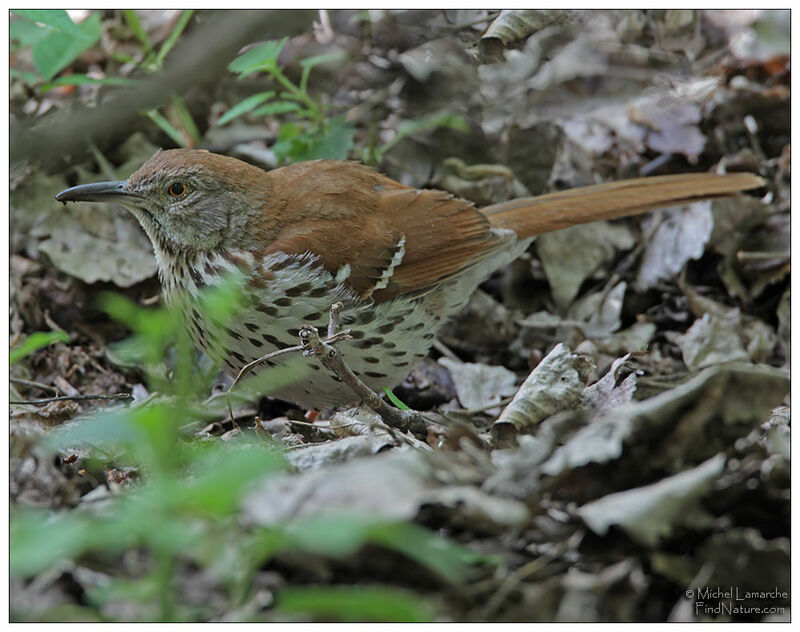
{"x": 646, "y": 473}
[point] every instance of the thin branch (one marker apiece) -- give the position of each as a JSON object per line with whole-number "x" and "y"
{"x": 251, "y": 365}
{"x": 331, "y": 359}
{"x": 199, "y": 58}
{"x": 77, "y": 398}
{"x": 44, "y": 387}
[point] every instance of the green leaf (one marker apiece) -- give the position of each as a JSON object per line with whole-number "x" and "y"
{"x": 25, "y": 32}
{"x": 414, "y": 126}
{"x": 106, "y": 428}
{"x": 25, "y": 76}
{"x": 132, "y": 19}
{"x": 34, "y": 342}
{"x": 316, "y": 60}
{"x": 278, "y": 107}
{"x": 309, "y": 62}
{"x": 36, "y": 540}
{"x": 334, "y": 143}
{"x": 223, "y": 478}
{"x": 59, "y": 49}
{"x": 395, "y": 399}
{"x": 448, "y": 560}
{"x": 290, "y": 136}
{"x": 180, "y": 25}
{"x": 340, "y": 536}
{"x": 154, "y": 328}
{"x": 245, "y": 106}
{"x": 167, "y": 127}
{"x": 53, "y": 19}
{"x": 263, "y": 57}
{"x": 179, "y": 109}
{"x": 356, "y": 603}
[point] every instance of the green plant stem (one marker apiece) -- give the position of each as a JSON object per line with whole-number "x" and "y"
{"x": 132, "y": 18}
{"x": 165, "y": 567}
{"x": 166, "y": 126}
{"x": 179, "y": 106}
{"x": 299, "y": 95}
{"x": 183, "y": 20}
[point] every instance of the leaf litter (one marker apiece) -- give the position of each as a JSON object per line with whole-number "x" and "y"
{"x": 646, "y": 444}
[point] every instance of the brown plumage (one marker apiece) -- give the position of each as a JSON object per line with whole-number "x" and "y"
{"x": 353, "y": 215}
{"x": 401, "y": 259}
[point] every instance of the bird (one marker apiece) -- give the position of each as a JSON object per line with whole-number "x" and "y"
{"x": 401, "y": 260}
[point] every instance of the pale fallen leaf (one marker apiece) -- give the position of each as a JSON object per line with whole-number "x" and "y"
{"x": 681, "y": 236}
{"x": 589, "y": 247}
{"x": 651, "y": 512}
{"x": 711, "y": 340}
{"x": 554, "y": 385}
{"x": 480, "y": 385}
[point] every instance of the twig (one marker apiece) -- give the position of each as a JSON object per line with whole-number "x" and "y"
{"x": 44, "y": 387}
{"x": 334, "y": 319}
{"x": 444, "y": 350}
{"x": 482, "y": 409}
{"x": 191, "y": 62}
{"x": 77, "y": 398}
{"x": 51, "y": 323}
{"x": 250, "y": 365}
{"x": 331, "y": 359}
{"x": 629, "y": 259}
{"x": 516, "y": 577}
{"x": 744, "y": 255}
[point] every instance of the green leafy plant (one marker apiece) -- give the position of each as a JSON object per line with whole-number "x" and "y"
{"x": 313, "y": 133}
{"x": 182, "y": 510}
{"x": 56, "y": 41}
{"x": 154, "y": 59}
{"x": 182, "y": 128}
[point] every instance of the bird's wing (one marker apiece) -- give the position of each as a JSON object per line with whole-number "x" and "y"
{"x": 381, "y": 238}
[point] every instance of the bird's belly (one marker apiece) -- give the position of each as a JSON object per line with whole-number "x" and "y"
{"x": 386, "y": 341}
{"x": 387, "y": 338}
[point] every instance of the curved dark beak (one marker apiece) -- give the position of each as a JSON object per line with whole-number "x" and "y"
{"x": 96, "y": 192}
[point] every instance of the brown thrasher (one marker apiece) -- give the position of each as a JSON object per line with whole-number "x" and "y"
{"x": 400, "y": 259}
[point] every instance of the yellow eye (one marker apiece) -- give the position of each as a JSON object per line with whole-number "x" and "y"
{"x": 176, "y": 189}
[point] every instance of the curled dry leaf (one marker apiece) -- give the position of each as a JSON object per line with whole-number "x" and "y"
{"x": 711, "y": 340}
{"x": 480, "y": 385}
{"x": 681, "y": 236}
{"x": 605, "y": 394}
{"x": 391, "y": 486}
{"x": 651, "y": 512}
{"x": 729, "y": 399}
{"x": 516, "y": 24}
{"x": 589, "y": 247}
{"x": 554, "y": 385}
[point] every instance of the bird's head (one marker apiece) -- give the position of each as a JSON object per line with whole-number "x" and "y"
{"x": 186, "y": 200}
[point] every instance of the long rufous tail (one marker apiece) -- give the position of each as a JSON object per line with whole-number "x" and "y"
{"x": 545, "y": 213}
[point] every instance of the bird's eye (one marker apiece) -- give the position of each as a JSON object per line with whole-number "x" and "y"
{"x": 177, "y": 189}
